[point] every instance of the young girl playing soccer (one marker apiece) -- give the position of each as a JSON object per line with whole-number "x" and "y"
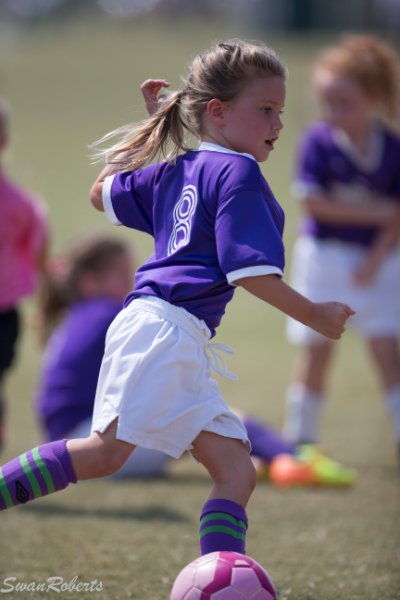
{"x": 348, "y": 180}
{"x": 216, "y": 225}
{"x": 274, "y": 457}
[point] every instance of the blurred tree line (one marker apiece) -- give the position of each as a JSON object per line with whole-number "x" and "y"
{"x": 276, "y": 15}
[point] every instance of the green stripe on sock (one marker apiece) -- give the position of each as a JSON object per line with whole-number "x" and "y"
{"x": 44, "y": 470}
{"x": 4, "y": 491}
{"x": 222, "y": 529}
{"x": 225, "y": 517}
{"x": 23, "y": 459}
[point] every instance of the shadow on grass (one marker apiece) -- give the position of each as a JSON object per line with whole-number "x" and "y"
{"x": 150, "y": 513}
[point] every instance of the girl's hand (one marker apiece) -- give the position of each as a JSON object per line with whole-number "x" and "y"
{"x": 375, "y": 256}
{"x": 386, "y": 213}
{"x": 150, "y": 89}
{"x": 329, "y": 318}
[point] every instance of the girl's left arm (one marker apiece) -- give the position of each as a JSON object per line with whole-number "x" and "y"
{"x": 328, "y": 318}
{"x": 386, "y": 240}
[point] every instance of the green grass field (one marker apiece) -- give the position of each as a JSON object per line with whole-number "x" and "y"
{"x": 67, "y": 85}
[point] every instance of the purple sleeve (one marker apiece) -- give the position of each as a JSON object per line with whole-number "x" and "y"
{"x": 128, "y": 199}
{"x": 249, "y": 228}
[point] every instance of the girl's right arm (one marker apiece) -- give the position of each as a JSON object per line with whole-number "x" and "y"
{"x": 96, "y": 192}
{"x": 150, "y": 90}
{"x": 342, "y": 212}
{"x": 327, "y": 318}
{"x": 385, "y": 242}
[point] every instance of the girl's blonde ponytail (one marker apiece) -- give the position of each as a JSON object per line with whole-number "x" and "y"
{"x": 143, "y": 142}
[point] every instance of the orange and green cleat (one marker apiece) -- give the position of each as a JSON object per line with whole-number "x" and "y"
{"x": 326, "y": 470}
{"x": 287, "y": 470}
{"x": 311, "y": 467}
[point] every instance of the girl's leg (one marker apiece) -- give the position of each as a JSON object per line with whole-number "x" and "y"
{"x": 9, "y": 333}
{"x": 51, "y": 467}
{"x": 100, "y": 454}
{"x": 305, "y": 396}
{"x": 386, "y": 355}
{"x": 141, "y": 463}
{"x": 223, "y": 521}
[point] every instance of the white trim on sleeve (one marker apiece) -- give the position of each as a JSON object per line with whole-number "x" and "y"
{"x": 107, "y": 202}
{"x": 253, "y": 272}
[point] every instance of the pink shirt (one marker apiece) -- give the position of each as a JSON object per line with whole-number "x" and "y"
{"x": 23, "y": 232}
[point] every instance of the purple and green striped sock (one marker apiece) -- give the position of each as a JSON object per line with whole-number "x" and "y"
{"x": 223, "y": 526}
{"x": 36, "y": 473}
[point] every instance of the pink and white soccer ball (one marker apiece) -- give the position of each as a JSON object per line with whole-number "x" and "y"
{"x": 223, "y": 576}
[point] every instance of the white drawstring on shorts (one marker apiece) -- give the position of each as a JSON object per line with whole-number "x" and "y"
{"x": 217, "y": 362}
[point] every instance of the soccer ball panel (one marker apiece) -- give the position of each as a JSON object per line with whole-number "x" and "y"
{"x": 228, "y": 594}
{"x": 223, "y": 576}
{"x": 245, "y": 579}
{"x": 193, "y": 594}
{"x": 206, "y": 573}
{"x": 184, "y": 583}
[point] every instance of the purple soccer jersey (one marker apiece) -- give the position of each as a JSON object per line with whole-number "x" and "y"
{"x": 71, "y": 366}
{"x": 328, "y": 164}
{"x": 214, "y": 220}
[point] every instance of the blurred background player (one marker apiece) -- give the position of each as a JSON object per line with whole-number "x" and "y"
{"x": 83, "y": 292}
{"x": 348, "y": 181}
{"x": 23, "y": 242}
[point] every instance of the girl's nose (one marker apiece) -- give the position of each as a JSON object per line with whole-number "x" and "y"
{"x": 278, "y": 125}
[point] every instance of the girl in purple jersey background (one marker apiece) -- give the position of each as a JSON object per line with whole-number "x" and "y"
{"x": 83, "y": 292}
{"x": 348, "y": 181}
{"x": 216, "y": 225}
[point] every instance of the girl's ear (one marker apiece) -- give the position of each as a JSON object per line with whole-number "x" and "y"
{"x": 216, "y": 111}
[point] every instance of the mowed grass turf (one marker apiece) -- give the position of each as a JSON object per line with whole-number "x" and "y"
{"x": 67, "y": 85}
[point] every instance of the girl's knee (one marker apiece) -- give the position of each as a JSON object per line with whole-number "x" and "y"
{"x": 108, "y": 464}
{"x": 110, "y": 452}
{"x": 250, "y": 477}
{"x": 96, "y": 457}
{"x": 240, "y": 482}
{"x": 242, "y": 472}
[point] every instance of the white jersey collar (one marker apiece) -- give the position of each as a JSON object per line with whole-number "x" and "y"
{"x": 367, "y": 162}
{"x": 217, "y": 148}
